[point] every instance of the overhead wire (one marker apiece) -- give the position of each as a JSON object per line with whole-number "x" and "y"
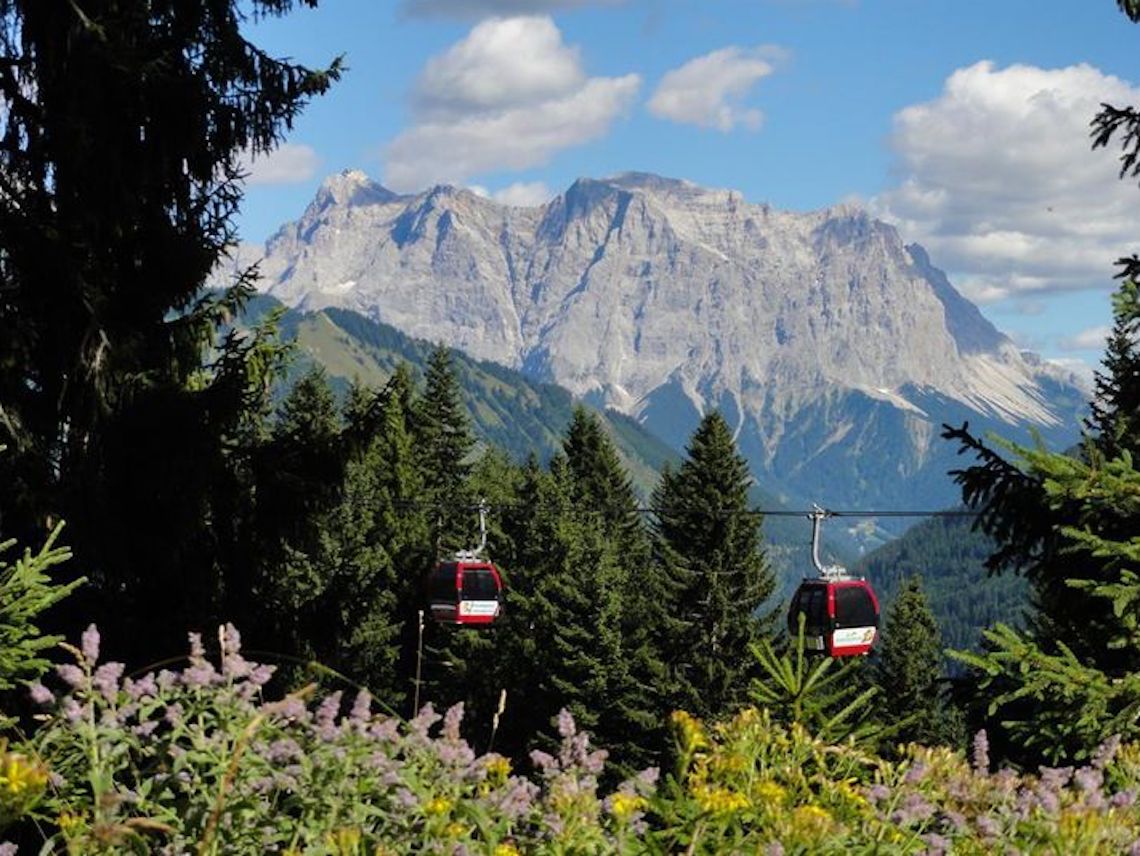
{"x": 689, "y": 511}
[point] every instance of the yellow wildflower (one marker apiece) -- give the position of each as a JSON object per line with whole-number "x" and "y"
{"x": 437, "y": 805}
{"x": 768, "y": 792}
{"x": 344, "y": 841}
{"x": 690, "y": 731}
{"x": 68, "y": 821}
{"x": 719, "y": 800}
{"x": 506, "y": 849}
{"x": 22, "y": 783}
{"x": 624, "y": 805}
{"x": 811, "y": 821}
{"x": 498, "y": 768}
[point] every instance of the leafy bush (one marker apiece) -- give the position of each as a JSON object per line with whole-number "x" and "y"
{"x": 197, "y": 761}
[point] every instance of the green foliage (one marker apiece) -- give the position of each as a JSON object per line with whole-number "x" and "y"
{"x": 709, "y": 540}
{"x": 26, "y": 592}
{"x": 908, "y": 673}
{"x": 1056, "y": 702}
{"x": 829, "y": 701}
{"x": 1072, "y": 707}
{"x": 200, "y": 760}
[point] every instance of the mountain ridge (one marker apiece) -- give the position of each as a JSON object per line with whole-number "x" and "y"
{"x": 821, "y": 335}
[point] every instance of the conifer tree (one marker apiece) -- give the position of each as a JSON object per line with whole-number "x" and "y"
{"x": 121, "y": 141}
{"x": 443, "y": 442}
{"x": 721, "y": 578}
{"x": 603, "y": 498}
{"x": 908, "y": 670}
{"x": 1115, "y": 418}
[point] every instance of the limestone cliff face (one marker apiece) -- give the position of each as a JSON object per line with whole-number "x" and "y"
{"x": 820, "y": 335}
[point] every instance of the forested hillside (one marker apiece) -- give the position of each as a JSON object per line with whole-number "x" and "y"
{"x": 949, "y": 554}
{"x": 518, "y": 416}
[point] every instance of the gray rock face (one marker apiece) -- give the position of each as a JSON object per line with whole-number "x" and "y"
{"x": 820, "y": 335}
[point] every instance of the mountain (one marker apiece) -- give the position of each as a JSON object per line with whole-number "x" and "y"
{"x": 835, "y": 350}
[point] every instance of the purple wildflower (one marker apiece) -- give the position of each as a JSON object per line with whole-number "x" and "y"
{"x": 200, "y": 674}
{"x": 1134, "y": 850}
{"x": 988, "y": 827}
{"x": 913, "y": 809}
{"x": 361, "y": 708}
{"x": 775, "y": 849}
{"x": 452, "y": 720}
{"x": 954, "y": 821}
{"x": 89, "y": 643}
{"x": 1055, "y": 778}
{"x": 145, "y": 729}
{"x": 566, "y": 726}
{"x": 106, "y": 680}
{"x": 936, "y": 845}
{"x": 260, "y": 674}
{"x": 8, "y": 849}
{"x": 283, "y": 751}
{"x": 173, "y": 714}
{"x": 915, "y": 774}
{"x": 406, "y": 798}
{"x": 1088, "y": 779}
{"x": 326, "y": 724}
{"x": 40, "y": 694}
{"x": 1104, "y": 754}
{"x": 543, "y": 760}
{"x": 878, "y": 793}
{"x": 145, "y": 686}
{"x": 648, "y": 778}
{"x": 384, "y": 730}
{"x": 166, "y": 679}
{"x": 72, "y": 712}
{"x": 423, "y": 721}
{"x": 981, "y": 752}
{"x": 197, "y": 651}
{"x": 1123, "y": 799}
{"x": 293, "y": 709}
{"x": 72, "y": 675}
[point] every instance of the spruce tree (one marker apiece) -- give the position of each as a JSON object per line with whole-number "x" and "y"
{"x": 908, "y": 672}
{"x": 1115, "y": 418}
{"x": 123, "y": 130}
{"x": 443, "y": 442}
{"x": 721, "y": 578}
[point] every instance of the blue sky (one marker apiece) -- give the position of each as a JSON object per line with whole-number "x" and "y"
{"x": 964, "y": 123}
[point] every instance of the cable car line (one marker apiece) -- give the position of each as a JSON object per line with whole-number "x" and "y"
{"x": 689, "y": 512}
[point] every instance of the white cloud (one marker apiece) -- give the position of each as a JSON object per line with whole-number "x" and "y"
{"x": 475, "y": 9}
{"x": 289, "y": 163}
{"x": 1092, "y": 339}
{"x": 706, "y": 91}
{"x": 503, "y": 63}
{"x": 998, "y": 181}
{"x": 524, "y": 194}
{"x": 1083, "y": 371}
{"x": 508, "y": 96}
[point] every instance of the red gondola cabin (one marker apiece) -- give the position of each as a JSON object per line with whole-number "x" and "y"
{"x": 841, "y": 616}
{"x": 465, "y": 592}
